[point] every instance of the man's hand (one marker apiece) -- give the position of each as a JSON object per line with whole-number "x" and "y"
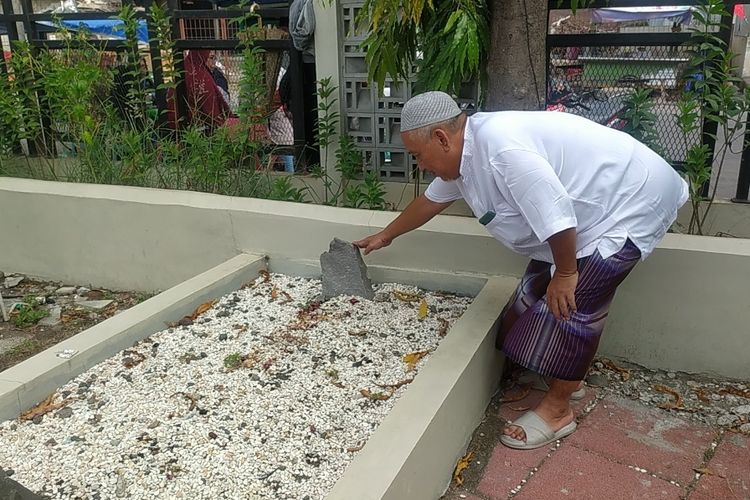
{"x": 561, "y": 297}
{"x": 374, "y": 242}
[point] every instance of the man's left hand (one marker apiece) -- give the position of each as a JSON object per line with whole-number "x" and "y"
{"x": 561, "y": 297}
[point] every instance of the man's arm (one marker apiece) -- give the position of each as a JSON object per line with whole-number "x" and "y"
{"x": 561, "y": 290}
{"x": 419, "y": 211}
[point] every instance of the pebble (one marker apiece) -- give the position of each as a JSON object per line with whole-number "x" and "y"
{"x": 170, "y": 431}
{"x": 597, "y": 380}
{"x": 66, "y": 412}
{"x": 725, "y": 420}
{"x": 741, "y": 410}
{"x": 745, "y": 428}
{"x": 65, "y": 290}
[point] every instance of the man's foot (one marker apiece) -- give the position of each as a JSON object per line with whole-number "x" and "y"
{"x": 556, "y": 417}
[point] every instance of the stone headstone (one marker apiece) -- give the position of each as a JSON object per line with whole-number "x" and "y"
{"x": 95, "y": 305}
{"x": 12, "y": 490}
{"x": 12, "y": 281}
{"x": 55, "y": 312}
{"x": 344, "y": 272}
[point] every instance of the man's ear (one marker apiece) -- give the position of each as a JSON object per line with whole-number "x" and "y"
{"x": 442, "y": 138}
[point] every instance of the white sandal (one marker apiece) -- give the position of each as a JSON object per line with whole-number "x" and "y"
{"x": 538, "y": 432}
{"x": 536, "y": 381}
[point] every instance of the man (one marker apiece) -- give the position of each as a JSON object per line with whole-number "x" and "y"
{"x": 583, "y": 201}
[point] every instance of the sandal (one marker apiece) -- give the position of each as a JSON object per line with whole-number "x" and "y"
{"x": 536, "y": 381}
{"x": 538, "y": 433}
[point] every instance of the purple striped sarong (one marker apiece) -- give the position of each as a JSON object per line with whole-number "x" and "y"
{"x": 532, "y": 337}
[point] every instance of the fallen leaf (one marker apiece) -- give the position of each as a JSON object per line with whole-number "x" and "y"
{"x": 132, "y": 358}
{"x": 201, "y": 309}
{"x": 519, "y": 408}
{"x": 461, "y": 466}
{"x": 375, "y": 396}
{"x": 266, "y": 275}
{"x": 443, "y": 328}
{"x": 354, "y": 449}
{"x": 353, "y": 301}
{"x": 704, "y": 471}
{"x": 267, "y": 364}
{"x": 672, "y": 405}
{"x": 274, "y": 293}
{"x": 413, "y": 358}
{"x": 240, "y": 328}
{"x": 395, "y": 386}
{"x": 42, "y": 408}
{"x": 191, "y": 397}
{"x": 359, "y": 333}
{"x": 624, "y": 372}
{"x": 423, "y": 309}
{"x": 405, "y": 296}
{"x": 702, "y": 395}
{"x": 287, "y": 298}
{"x": 735, "y": 392}
{"x": 517, "y": 397}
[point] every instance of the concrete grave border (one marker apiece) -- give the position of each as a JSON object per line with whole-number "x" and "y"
{"x": 414, "y": 450}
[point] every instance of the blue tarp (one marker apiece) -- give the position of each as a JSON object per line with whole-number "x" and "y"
{"x": 108, "y": 27}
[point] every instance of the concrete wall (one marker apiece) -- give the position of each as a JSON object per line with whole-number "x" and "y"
{"x": 686, "y": 308}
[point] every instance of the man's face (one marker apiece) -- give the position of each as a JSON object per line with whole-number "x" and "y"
{"x": 437, "y": 155}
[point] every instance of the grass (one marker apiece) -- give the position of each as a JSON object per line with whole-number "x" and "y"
{"x": 28, "y": 314}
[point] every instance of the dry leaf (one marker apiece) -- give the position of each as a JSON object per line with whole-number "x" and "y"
{"x": 240, "y": 328}
{"x": 354, "y": 449}
{"x": 201, "y": 309}
{"x": 735, "y": 392}
{"x": 624, "y": 372}
{"x": 461, "y": 466}
{"x": 353, "y": 301}
{"x": 423, "y": 309}
{"x": 274, "y": 293}
{"x": 287, "y": 298}
{"x": 443, "y": 328}
{"x": 360, "y": 333}
{"x": 42, "y": 408}
{"x": 395, "y": 386}
{"x": 132, "y": 358}
{"x": 191, "y": 397}
{"x": 704, "y": 471}
{"x": 702, "y": 395}
{"x": 672, "y": 405}
{"x": 266, "y": 275}
{"x": 518, "y": 397}
{"x": 375, "y": 396}
{"x": 413, "y": 358}
{"x": 405, "y": 296}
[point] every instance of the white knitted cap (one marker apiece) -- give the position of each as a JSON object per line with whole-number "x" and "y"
{"x": 427, "y": 109}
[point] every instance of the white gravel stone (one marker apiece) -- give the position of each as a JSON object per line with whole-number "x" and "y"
{"x": 167, "y": 419}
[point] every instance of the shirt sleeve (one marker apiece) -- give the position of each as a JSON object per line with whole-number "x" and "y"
{"x": 534, "y": 187}
{"x": 440, "y": 191}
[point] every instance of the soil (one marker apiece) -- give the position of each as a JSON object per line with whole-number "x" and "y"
{"x": 19, "y": 342}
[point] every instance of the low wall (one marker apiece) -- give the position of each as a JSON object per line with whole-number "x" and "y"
{"x": 685, "y": 308}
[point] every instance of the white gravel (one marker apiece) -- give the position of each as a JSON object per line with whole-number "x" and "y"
{"x": 166, "y": 419}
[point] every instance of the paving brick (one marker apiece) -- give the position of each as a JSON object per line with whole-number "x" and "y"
{"x": 652, "y": 439}
{"x": 457, "y": 496}
{"x": 730, "y": 471}
{"x": 572, "y": 473}
{"x": 506, "y": 469}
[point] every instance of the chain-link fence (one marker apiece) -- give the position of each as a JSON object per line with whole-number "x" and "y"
{"x": 595, "y": 82}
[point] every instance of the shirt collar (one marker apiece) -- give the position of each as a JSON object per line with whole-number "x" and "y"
{"x": 468, "y": 150}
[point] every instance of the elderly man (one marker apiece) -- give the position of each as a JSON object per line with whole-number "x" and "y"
{"x": 584, "y": 202}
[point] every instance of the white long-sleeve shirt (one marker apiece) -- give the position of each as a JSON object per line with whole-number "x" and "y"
{"x": 543, "y": 172}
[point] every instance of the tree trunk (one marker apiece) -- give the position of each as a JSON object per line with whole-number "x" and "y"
{"x": 517, "y": 54}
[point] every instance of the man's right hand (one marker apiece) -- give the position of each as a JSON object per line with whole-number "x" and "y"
{"x": 373, "y": 242}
